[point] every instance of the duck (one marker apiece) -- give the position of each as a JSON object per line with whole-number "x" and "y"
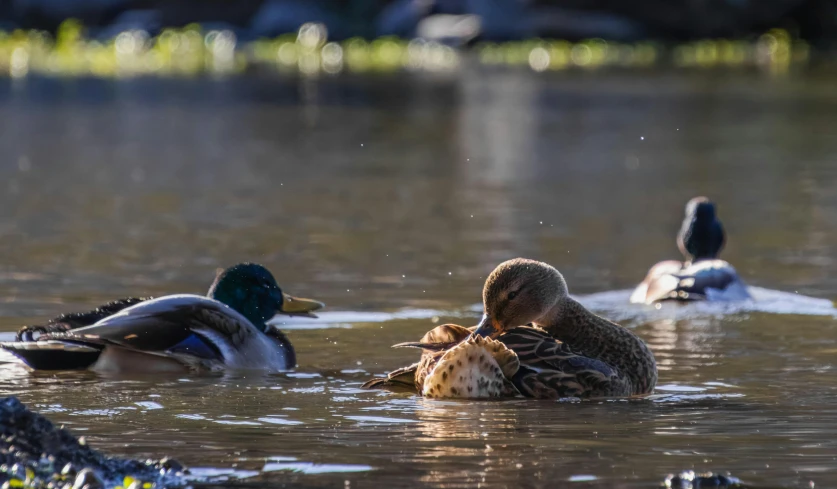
{"x": 551, "y": 347}
{"x": 227, "y": 328}
{"x": 703, "y": 276}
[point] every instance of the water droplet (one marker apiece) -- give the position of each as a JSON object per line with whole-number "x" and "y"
{"x": 23, "y": 164}
{"x": 137, "y": 175}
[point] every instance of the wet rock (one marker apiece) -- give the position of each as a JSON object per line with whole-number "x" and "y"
{"x": 87, "y": 479}
{"x": 33, "y": 451}
{"x": 690, "y": 480}
{"x": 171, "y": 465}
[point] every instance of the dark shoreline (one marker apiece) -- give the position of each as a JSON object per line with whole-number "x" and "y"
{"x": 34, "y": 453}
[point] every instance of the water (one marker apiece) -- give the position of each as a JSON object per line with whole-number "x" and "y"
{"x": 390, "y": 199}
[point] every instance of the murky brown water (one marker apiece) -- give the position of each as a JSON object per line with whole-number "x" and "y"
{"x": 390, "y": 199}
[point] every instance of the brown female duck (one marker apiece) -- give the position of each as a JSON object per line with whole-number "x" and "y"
{"x": 567, "y": 352}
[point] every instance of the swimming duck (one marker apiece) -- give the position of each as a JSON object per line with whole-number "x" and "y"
{"x": 703, "y": 276}
{"x": 227, "y": 328}
{"x": 566, "y": 352}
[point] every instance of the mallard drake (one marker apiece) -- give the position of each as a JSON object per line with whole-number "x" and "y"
{"x": 566, "y": 352}
{"x": 703, "y": 276}
{"x": 227, "y": 328}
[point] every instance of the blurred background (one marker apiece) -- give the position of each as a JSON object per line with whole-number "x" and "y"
{"x": 405, "y": 147}
{"x": 463, "y": 20}
{"x": 383, "y": 157}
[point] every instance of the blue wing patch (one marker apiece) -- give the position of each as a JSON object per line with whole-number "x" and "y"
{"x": 196, "y": 346}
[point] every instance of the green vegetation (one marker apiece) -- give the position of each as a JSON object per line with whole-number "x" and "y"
{"x": 191, "y": 51}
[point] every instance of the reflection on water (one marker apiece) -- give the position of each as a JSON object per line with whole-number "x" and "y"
{"x": 390, "y": 199}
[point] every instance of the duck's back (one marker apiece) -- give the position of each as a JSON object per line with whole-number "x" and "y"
{"x": 550, "y": 369}
{"x": 712, "y": 280}
{"x": 191, "y": 330}
{"x": 195, "y": 330}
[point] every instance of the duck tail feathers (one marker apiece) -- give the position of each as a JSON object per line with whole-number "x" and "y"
{"x": 427, "y": 346}
{"x": 401, "y": 380}
{"x": 54, "y": 354}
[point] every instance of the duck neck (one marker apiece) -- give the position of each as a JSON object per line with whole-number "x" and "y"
{"x": 593, "y": 336}
{"x": 245, "y": 305}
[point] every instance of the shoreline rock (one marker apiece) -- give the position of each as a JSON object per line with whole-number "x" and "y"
{"x": 36, "y": 453}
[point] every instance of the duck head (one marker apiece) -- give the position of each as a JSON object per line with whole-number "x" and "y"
{"x": 251, "y": 290}
{"x": 701, "y": 235}
{"x": 520, "y": 292}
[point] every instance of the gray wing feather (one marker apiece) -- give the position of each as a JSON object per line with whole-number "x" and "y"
{"x": 160, "y": 324}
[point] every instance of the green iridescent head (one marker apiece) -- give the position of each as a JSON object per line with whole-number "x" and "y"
{"x": 251, "y": 290}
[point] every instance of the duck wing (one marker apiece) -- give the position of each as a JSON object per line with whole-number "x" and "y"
{"x": 400, "y": 380}
{"x": 192, "y": 329}
{"x": 550, "y": 369}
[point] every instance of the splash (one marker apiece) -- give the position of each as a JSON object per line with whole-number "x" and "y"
{"x": 615, "y": 305}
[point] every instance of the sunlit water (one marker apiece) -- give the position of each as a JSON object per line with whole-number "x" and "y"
{"x": 390, "y": 199}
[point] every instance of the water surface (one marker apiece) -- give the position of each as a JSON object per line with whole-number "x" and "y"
{"x": 391, "y": 198}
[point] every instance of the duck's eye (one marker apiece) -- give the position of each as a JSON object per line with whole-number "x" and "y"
{"x": 512, "y": 295}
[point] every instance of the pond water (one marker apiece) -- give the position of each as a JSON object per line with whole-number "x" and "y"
{"x": 390, "y": 198}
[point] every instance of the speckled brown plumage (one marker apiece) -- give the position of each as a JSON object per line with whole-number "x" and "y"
{"x": 613, "y": 360}
{"x": 549, "y": 369}
{"x": 570, "y": 352}
{"x": 455, "y": 364}
{"x": 475, "y": 368}
{"x": 604, "y": 346}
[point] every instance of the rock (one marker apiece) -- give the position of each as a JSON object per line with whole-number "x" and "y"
{"x": 87, "y": 479}
{"x": 688, "y": 479}
{"x": 34, "y": 450}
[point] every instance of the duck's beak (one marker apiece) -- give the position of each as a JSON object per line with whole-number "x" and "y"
{"x": 294, "y": 306}
{"x": 488, "y": 327}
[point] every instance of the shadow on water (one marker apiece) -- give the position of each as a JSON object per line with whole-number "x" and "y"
{"x": 390, "y": 199}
